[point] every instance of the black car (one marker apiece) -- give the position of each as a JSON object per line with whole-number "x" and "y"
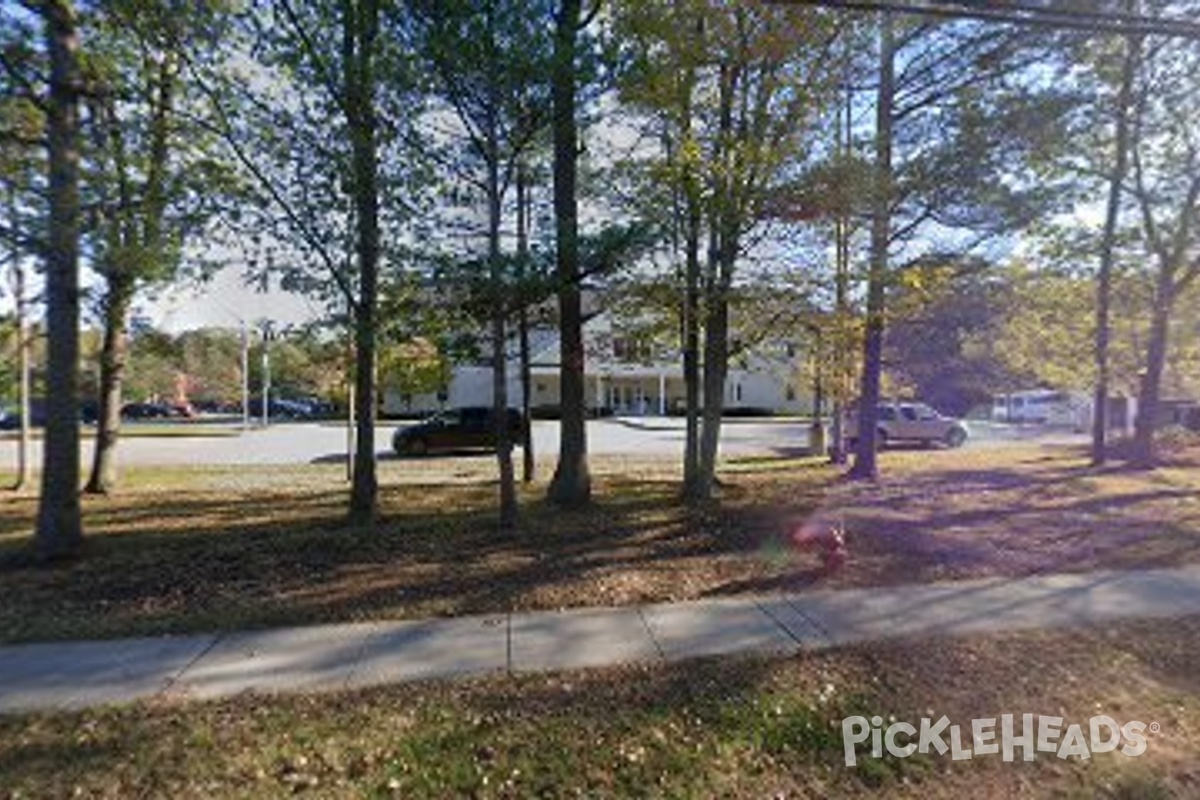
{"x": 280, "y": 409}
{"x": 145, "y": 411}
{"x": 470, "y": 428}
{"x": 10, "y": 419}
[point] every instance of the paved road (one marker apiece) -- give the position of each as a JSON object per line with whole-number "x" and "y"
{"x": 303, "y": 443}
{"x": 81, "y": 674}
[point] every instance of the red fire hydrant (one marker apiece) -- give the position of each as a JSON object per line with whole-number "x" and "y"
{"x": 828, "y": 539}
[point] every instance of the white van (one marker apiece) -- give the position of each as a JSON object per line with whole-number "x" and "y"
{"x": 1043, "y": 407}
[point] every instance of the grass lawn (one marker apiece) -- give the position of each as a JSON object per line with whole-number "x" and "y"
{"x": 716, "y": 728}
{"x": 191, "y": 549}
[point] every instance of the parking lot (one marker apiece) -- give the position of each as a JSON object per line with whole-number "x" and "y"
{"x": 645, "y": 437}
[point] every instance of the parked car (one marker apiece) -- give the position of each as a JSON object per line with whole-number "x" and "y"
{"x": 911, "y": 422}
{"x": 470, "y": 428}
{"x": 182, "y": 409}
{"x": 279, "y": 409}
{"x": 145, "y": 411}
{"x": 10, "y": 418}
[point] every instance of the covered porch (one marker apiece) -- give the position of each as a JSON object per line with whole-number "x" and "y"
{"x": 625, "y": 391}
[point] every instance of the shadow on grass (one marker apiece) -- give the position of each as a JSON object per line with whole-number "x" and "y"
{"x": 1045, "y": 513}
{"x": 190, "y": 561}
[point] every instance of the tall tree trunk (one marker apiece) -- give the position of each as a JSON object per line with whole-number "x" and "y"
{"x": 112, "y": 374}
{"x": 502, "y": 298}
{"x": 716, "y": 368}
{"x": 361, "y": 28}
{"x": 59, "y": 530}
{"x": 837, "y": 450}
{"x": 718, "y": 278}
{"x": 692, "y": 488}
{"x": 1144, "y": 454}
{"x": 1107, "y": 246}
{"x": 572, "y": 483}
{"x": 693, "y": 220}
{"x": 837, "y": 446}
{"x": 145, "y": 230}
{"x": 24, "y": 342}
{"x": 865, "y": 466}
{"x": 508, "y": 491}
{"x": 528, "y": 465}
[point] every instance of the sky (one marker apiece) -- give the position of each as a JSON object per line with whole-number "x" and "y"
{"x": 225, "y": 301}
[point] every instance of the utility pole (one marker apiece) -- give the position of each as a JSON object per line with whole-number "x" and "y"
{"x": 245, "y": 376}
{"x": 266, "y": 373}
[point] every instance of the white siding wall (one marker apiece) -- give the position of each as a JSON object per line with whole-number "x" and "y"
{"x": 469, "y": 386}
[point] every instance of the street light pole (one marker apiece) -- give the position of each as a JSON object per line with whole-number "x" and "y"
{"x": 245, "y": 376}
{"x": 266, "y": 373}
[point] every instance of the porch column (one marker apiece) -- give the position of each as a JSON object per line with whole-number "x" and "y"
{"x": 662, "y": 394}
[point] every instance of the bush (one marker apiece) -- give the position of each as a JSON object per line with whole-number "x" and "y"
{"x": 1168, "y": 441}
{"x": 1174, "y": 438}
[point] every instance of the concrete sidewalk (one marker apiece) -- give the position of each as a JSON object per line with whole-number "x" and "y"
{"x": 79, "y": 674}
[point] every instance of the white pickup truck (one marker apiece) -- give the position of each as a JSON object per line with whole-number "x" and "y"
{"x": 911, "y": 422}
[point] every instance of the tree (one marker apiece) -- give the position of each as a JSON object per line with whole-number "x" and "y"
{"x": 21, "y": 345}
{"x": 956, "y": 117}
{"x": 881, "y": 240}
{"x": 1165, "y": 186}
{"x": 525, "y": 273}
{"x": 59, "y": 532}
{"x": 414, "y": 367}
{"x": 149, "y": 182}
{"x": 733, "y": 95}
{"x": 571, "y": 485}
{"x": 489, "y": 65}
{"x": 327, "y": 96}
{"x": 661, "y": 79}
{"x": 946, "y": 324}
{"x": 1108, "y": 242}
{"x": 211, "y": 358}
{"x": 155, "y": 365}
{"x": 21, "y": 120}
{"x": 1042, "y": 335}
{"x": 23, "y": 198}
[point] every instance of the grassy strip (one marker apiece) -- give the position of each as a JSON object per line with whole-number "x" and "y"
{"x": 186, "y": 550}
{"x": 718, "y": 728}
{"x": 195, "y": 549}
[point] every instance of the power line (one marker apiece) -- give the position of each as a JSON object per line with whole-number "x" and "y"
{"x": 1019, "y": 13}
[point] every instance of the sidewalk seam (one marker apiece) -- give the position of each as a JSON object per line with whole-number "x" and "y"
{"x": 662, "y": 654}
{"x": 766, "y": 612}
{"x": 170, "y": 684}
{"x": 822, "y": 631}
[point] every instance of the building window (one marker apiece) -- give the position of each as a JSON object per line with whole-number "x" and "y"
{"x": 790, "y": 392}
{"x": 621, "y": 349}
{"x": 737, "y": 393}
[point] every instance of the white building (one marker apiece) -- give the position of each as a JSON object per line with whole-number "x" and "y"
{"x": 622, "y": 378}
